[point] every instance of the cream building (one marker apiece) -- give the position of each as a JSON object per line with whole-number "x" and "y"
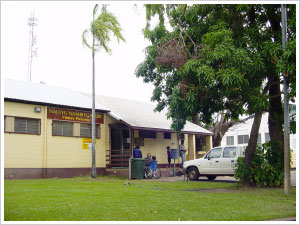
{"x": 47, "y": 132}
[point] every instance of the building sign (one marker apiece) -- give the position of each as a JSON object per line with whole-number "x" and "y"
{"x": 73, "y": 115}
{"x": 87, "y": 143}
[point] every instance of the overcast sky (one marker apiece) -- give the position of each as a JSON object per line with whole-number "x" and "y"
{"x": 61, "y": 58}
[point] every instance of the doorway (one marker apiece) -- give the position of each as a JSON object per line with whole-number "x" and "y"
{"x": 120, "y": 146}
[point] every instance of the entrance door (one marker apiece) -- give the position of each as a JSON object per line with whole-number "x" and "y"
{"x": 120, "y": 147}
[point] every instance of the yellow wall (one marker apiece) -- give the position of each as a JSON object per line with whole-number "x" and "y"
{"x": 158, "y": 146}
{"x": 45, "y": 150}
{"x": 23, "y": 150}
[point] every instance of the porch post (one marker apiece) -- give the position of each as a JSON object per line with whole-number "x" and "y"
{"x": 208, "y": 142}
{"x": 192, "y": 146}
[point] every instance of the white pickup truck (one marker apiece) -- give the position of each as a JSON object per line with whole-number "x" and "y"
{"x": 218, "y": 161}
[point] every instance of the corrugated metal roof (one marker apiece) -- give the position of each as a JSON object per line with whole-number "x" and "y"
{"x": 45, "y": 94}
{"x": 141, "y": 115}
{"x": 134, "y": 113}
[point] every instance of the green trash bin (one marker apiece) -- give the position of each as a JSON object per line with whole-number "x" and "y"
{"x": 137, "y": 168}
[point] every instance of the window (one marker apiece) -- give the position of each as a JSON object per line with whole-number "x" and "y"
{"x": 167, "y": 135}
{"x": 27, "y": 126}
{"x": 229, "y": 152}
{"x": 243, "y": 139}
{"x": 214, "y": 153}
{"x": 86, "y": 130}
{"x": 267, "y": 137}
{"x": 60, "y": 128}
{"x": 181, "y": 136}
{"x": 230, "y": 140}
{"x": 147, "y": 134}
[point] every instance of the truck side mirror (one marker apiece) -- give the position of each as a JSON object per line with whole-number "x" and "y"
{"x": 208, "y": 157}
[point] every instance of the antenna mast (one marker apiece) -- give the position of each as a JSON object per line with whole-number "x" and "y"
{"x": 32, "y": 22}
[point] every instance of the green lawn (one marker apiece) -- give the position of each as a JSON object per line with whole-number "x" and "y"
{"x": 108, "y": 199}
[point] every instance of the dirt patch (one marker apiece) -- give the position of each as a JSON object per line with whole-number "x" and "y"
{"x": 211, "y": 190}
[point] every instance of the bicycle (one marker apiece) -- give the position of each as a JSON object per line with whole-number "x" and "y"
{"x": 152, "y": 171}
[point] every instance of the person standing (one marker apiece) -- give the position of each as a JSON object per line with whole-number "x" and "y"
{"x": 182, "y": 152}
{"x": 169, "y": 156}
{"x": 137, "y": 153}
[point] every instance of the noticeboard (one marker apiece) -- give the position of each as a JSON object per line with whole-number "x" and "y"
{"x": 87, "y": 143}
{"x": 139, "y": 141}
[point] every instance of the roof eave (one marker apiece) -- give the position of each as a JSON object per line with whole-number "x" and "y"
{"x": 50, "y": 104}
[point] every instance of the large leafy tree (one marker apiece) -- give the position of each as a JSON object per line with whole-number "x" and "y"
{"x": 219, "y": 58}
{"x": 100, "y": 31}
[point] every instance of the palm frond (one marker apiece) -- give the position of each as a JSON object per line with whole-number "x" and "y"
{"x": 84, "y": 36}
{"x": 102, "y": 27}
{"x": 95, "y": 10}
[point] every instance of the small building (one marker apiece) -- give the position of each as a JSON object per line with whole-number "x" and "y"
{"x": 47, "y": 131}
{"x": 240, "y": 133}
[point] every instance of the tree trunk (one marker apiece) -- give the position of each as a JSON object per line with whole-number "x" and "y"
{"x": 275, "y": 119}
{"x": 196, "y": 119}
{"x": 249, "y": 153}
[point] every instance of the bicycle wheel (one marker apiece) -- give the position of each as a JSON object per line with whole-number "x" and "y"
{"x": 157, "y": 173}
{"x": 148, "y": 173}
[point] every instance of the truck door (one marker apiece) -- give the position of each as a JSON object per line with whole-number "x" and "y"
{"x": 227, "y": 160}
{"x": 211, "y": 162}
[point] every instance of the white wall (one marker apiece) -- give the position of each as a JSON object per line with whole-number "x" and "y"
{"x": 245, "y": 128}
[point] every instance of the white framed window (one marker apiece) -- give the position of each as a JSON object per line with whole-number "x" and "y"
{"x": 230, "y": 140}
{"x": 243, "y": 139}
{"x": 267, "y": 137}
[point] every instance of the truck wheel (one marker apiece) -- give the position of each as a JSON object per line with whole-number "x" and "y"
{"x": 193, "y": 173}
{"x": 211, "y": 177}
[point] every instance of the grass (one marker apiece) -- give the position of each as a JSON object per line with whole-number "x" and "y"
{"x": 110, "y": 199}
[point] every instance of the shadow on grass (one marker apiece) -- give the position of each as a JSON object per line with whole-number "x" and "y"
{"x": 216, "y": 181}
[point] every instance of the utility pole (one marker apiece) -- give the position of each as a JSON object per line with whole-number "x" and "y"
{"x": 94, "y": 170}
{"x": 32, "y": 22}
{"x": 286, "y": 108}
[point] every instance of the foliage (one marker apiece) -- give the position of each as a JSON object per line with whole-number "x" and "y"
{"x": 230, "y": 53}
{"x": 101, "y": 29}
{"x": 103, "y": 199}
{"x": 267, "y": 167}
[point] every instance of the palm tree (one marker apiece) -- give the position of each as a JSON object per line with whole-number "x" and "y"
{"x": 100, "y": 29}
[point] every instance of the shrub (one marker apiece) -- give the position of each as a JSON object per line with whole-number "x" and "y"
{"x": 267, "y": 168}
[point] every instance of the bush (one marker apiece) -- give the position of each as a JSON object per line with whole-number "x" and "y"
{"x": 267, "y": 168}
